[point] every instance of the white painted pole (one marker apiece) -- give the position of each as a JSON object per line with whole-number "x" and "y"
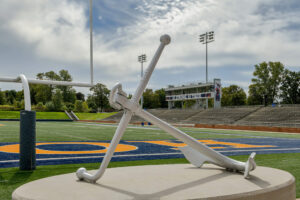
{"x": 91, "y": 43}
{"x": 26, "y": 89}
{"x": 46, "y": 82}
{"x": 142, "y": 98}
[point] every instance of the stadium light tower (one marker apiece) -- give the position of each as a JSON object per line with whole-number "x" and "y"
{"x": 91, "y": 42}
{"x": 142, "y": 58}
{"x": 205, "y": 39}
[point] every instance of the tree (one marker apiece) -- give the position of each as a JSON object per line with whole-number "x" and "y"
{"x": 267, "y": 79}
{"x": 233, "y": 96}
{"x": 78, "y": 106}
{"x": 20, "y": 95}
{"x": 91, "y": 103}
{"x": 79, "y": 96}
{"x": 81, "y": 106}
{"x": 100, "y": 96}
{"x": 161, "y": 95}
{"x": 151, "y": 100}
{"x": 290, "y": 87}
{"x": 69, "y": 94}
{"x": 57, "y": 100}
{"x": 10, "y": 96}
{"x": 42, "y": 93}
{"x": 255, "y": 97}
{"x": 2, "y": 98}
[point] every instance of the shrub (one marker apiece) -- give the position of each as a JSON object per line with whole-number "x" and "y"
{"x": 50, "y": 106}
{"x": 39, "y": 107}
{"x": 85, "y": 107}
{"x": 69, "y": 106}
{"x": 7, "y": 107}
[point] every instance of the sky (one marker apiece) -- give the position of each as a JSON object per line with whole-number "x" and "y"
{"x": 43, "y": 35}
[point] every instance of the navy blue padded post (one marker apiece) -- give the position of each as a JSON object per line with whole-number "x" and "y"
{"x": 27, "y": 140}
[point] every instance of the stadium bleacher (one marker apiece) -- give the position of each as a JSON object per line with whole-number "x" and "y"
{"x": 283, "y": 116}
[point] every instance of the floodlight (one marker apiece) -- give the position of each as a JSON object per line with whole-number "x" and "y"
{"x": 205, "y": 39}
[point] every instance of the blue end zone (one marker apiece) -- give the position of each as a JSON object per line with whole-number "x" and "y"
{"x": 143, "y": 150}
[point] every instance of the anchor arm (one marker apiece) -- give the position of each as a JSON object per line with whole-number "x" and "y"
{"x": 214, "y": 156}
{"x": 197, "y": 152}
{"x": 82, "y": 173}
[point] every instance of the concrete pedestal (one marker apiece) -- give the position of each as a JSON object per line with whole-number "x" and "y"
{"x": 180, "y": 181}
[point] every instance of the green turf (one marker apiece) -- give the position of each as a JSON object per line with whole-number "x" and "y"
{"x": 11, "y": 178}
{"x": 39, "y": 115}
{"x": 9, "y": 115}
{"x": 51, "y": 115}
{"x": 94, "y": 116}
{"x": 78, "y": 131}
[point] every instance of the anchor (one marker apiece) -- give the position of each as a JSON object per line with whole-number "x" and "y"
{"x": 195, "y": 152}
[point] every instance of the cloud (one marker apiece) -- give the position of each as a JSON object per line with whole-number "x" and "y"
{"x": 54, "y": 34}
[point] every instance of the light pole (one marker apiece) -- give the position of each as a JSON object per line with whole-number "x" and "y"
{"x": 205, "y": 39}
{"x": 142, "y": 58}
{"x": 91, "y": 42}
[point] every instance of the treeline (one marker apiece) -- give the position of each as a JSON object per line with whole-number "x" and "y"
{"x": 271, "y": 83}
{"x": 60, "y": 98}
{"x": 57, "y": 98}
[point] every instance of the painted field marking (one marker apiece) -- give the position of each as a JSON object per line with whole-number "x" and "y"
{"x": 207, "y": 142}
{"x": 14, "y": 148}
{"x": 52, "y": 153}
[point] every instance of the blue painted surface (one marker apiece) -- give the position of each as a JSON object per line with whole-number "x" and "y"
{"x": 147, "y": 151}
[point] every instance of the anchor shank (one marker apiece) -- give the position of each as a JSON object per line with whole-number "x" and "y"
{"x": 144, "y": 81}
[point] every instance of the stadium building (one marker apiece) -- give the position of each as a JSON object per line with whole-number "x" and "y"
{"x": 199, "y": 92}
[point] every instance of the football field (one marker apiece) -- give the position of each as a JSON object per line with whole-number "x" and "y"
{"x": 62, "y": 147}
{"x": 79, "y": 142}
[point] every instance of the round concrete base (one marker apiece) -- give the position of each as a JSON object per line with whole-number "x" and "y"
{"x": 181, "y": 181}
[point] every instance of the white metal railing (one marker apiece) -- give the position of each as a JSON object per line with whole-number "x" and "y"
{"x": 190, "y": 96}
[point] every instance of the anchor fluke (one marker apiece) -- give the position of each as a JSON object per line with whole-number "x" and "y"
{"x": 195, "y": 157}
{"x": 250, "y": 165}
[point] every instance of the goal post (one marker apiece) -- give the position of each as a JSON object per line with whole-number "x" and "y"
{"x": 28, "y": 118}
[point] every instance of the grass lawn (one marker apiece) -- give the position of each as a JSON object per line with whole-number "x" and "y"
{"x": 94, "y": 116}
{"x": 9, "y": 115}
{"x": 11, "y": 178}
{"x": 81, "y": 131}
{"x": 39, "y": 115}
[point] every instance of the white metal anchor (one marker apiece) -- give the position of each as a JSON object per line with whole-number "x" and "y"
{"x": 196, "y": 152}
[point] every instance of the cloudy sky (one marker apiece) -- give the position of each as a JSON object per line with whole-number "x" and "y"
{"x": 43, "y": 35}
